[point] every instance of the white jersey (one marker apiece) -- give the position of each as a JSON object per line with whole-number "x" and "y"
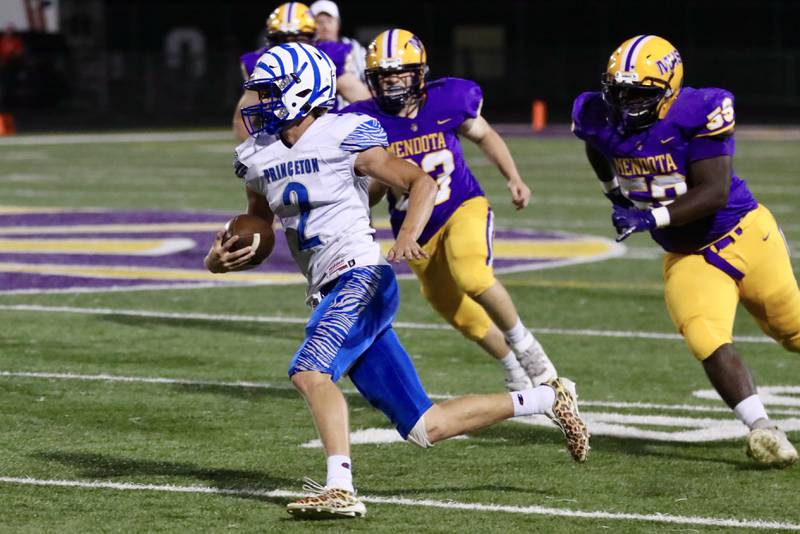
{"x": 313, "y": 189}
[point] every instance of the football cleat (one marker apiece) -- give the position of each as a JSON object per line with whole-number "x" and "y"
{"x": 564, "y": 414}
{"x": 326, "y": 503}
{"x": 517, "y": 380}
{"x": 769, "y": 446}
{"x": 534, "y": 360}
{"x": 642, "y": 80}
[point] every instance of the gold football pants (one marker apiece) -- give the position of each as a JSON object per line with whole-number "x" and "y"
{"x": 701, "y": 298}
{"x": 459, "y": 267}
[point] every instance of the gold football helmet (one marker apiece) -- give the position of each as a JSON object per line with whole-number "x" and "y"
{"x": 291, "y": 22}
{"x": 389, "y": 56}
{"x": 642, "y": 80}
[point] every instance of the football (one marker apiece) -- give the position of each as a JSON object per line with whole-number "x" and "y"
{"x": 253, "y": 231}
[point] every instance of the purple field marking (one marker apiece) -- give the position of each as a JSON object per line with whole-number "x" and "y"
{"x": 191, "y": 259}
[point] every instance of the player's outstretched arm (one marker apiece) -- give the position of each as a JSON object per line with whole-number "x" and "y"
{"x": 480, "y": 132}
{"x": 398, "y": 173}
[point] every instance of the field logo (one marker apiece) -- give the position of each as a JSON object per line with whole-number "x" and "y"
{"x": 56, "y": 250}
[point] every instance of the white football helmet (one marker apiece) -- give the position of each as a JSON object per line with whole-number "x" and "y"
{"x": 291, "y": 79}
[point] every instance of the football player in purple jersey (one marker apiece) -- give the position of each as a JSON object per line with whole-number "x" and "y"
{"x": 347, "y": 54}
{"x": 664, "y": 156}
{"x": 423, "y": 121}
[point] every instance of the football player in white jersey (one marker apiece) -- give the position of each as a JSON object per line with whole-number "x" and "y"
{"x": 313, "y": 179}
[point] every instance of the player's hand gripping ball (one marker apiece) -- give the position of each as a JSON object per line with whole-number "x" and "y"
{"x": 252, "y": 231}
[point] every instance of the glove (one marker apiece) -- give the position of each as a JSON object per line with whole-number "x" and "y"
{"x": 617, "y": 198}
{"x": 630, "y": 220}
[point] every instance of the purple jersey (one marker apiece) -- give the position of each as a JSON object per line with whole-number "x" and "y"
{"x": 249, "y": 59}
{"x": 337, "y": 51}
{"x": 430, "y": 140}
{"x": 652, "y": 164}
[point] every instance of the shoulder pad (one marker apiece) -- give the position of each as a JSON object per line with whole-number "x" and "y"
{"x": 463, "y": 98}
{"x": 589, "y": 115}
{"x": 708, "y": 112}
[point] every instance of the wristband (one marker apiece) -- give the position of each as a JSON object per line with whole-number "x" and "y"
{"x": 610, "y": 185}
{"x": 661, "y": 215}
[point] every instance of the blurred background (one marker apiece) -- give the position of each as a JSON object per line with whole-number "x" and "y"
{"x": 75, "y": 65}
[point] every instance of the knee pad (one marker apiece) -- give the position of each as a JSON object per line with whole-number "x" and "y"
{"x": 419, "y": 435}
{"x": 472, "y": 275}
{"x": 703, "y": 338}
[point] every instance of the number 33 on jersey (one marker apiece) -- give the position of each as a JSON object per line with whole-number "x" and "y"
{"x": 430, "y": 140}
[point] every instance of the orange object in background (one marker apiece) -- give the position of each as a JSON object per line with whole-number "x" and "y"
{"x": 7, "y": 126}
{"x": 538, "y": 115}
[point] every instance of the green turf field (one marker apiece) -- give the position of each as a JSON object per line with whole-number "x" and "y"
{"x": 183, "y": 445}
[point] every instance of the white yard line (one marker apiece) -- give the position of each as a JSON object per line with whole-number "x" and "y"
{"x": 104, "y": 377}
{"x": 425, "y": 503}
{"x": 302, "y": 320}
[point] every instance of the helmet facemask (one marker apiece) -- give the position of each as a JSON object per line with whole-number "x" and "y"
{"x": 634, "y": 106}
{"x": 270, "y": 114}
{"x": 395, "y": 88}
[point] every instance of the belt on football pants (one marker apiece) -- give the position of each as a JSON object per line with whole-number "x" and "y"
{"x": 713, "y": 258}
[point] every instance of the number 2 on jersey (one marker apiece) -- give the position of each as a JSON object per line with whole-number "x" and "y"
{"x": 300, "y": 199}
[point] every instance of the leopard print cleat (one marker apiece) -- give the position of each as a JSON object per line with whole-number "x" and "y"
{"x": 769, "y": 446}
{"x": 566, "y": 417}
{"x": 326, "y": 503}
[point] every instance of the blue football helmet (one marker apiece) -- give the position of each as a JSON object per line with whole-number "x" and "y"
{"x": 291, "y": 80}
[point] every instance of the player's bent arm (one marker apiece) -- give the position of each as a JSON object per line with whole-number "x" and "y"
{"x": 376, "y": 191}
{"x": 248, "y": 98}
{"x": 398, "y": 173}
{"x": 480, "y": 132}
{"x": 257, "y": 205}
{"x": 220, "y": 259}
{"x": 351, "y": 88}
{"x": 710, "y": 182}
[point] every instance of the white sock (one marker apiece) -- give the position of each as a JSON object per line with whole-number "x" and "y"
{"x": 340, "y": 474}
{"x": 533, "y": 401}
{"x": 750, "y": 410}
{"x": 517, "y": 334}
{"x": 510, "y": 363}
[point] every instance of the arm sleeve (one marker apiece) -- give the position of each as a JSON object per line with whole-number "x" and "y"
{"x": 366, "y": 135}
